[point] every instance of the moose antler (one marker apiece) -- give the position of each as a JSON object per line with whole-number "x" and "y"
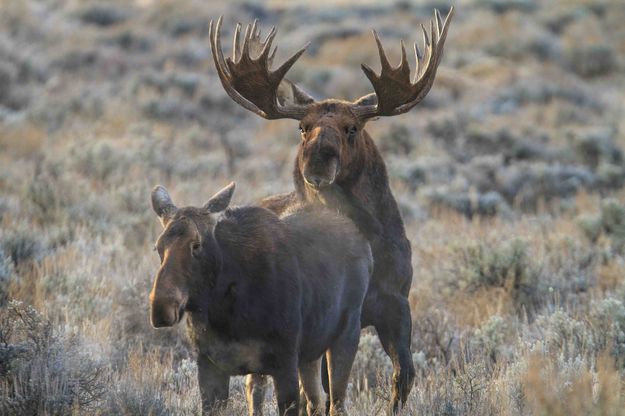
{"x": 396, "y": 94}
{"x": 248, "y": 80}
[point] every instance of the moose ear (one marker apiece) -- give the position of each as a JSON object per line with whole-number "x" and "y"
{"x": 162, "y": 204}
{"x": 289, "y": 93}
{"x": 369, "y": 99}
{"x": 220, "y": 200}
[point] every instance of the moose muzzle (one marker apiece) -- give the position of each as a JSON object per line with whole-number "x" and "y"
{"x": 166, "y": 313}
{"x": 166, "y": 306}
{"x": 321, "y": 158}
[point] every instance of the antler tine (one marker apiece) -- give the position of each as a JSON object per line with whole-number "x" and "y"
{"x": 439, "y": 21}
{"x": 417, "y": 54}
{"x": 425, "y": 81}
{"x": 214, "y": 34}
{"x": 271, "y": 56}
{"x": 258, "y": 50}
{"x": 264, "y": 53}
{"x": 284, "y": 68}
{"x": 427, "y": 52}
{"x": 246, "y": 41}
{"x": 219, "y": 59}
{"x": 403, "y": 59}
{"x": 248, "y": 80}
{"x": 254, "y": 28}
{"x": 236, "y": 42}
{"x": 403, "y": 68}
{"x": 261, "y": 48}
{"x": 395, "y": 92}
{"x": 426, "y": 40}
{"x": 383, "y": 58}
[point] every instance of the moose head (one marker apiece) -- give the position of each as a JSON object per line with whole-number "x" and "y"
{"x": 189, "y": 255}
{"x": 331, "y": 129}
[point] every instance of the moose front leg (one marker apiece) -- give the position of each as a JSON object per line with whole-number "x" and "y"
{"x": 287, "y": 389}
{"x": 340, "y": 358}
{"x": 214, "y": 385}
{"x": 310, "y": 377}
{"x": 395, "y": 331}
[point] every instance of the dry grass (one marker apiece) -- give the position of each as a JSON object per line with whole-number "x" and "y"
{"x": 509, "y": 177}
{"x": 21, "y": 141}
{"x": 573, "y": 391}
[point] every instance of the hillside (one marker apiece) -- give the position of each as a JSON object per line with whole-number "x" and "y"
{"x": 509, "y": 175}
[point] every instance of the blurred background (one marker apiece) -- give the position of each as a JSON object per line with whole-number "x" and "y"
{"x": 509, "y": 176}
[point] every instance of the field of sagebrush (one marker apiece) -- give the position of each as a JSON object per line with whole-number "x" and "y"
{"x": 509, "y": 175}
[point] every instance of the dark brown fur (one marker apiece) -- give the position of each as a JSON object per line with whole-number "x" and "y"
{"x": 263, "y": 294}
{"x": 359, "y": 187}
{"x": 338, "y": 164}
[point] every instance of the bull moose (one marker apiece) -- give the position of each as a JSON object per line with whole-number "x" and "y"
{"x": 336, "y": 152}
{"x": 262, "y": 294}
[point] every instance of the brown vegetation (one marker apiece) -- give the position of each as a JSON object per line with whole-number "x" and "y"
{"x": 513, "y": 161}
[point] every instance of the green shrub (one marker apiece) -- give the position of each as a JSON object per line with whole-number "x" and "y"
{"x": 22, "y": 245}
{"x": 608, "y": 322}
{"x": 610, "y": 221}
{"x": 6, "y": 274}
{"x": 371, "y": 362}
{"x": 492, "y": 338}
{"x": 507, "y": 265}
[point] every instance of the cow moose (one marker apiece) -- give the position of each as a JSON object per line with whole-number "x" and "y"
{"x": 263, "y": 294}
{"x": 336, "y": 152}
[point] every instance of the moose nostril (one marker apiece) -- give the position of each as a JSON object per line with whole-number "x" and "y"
{"x": 164, "y": 315}
{"x": 316, "y": 181}
{"x": 159, "y": 321}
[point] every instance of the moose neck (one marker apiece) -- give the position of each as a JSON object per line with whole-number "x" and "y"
{"x": 248, "y": 239}
{"x": 214, "y": 302}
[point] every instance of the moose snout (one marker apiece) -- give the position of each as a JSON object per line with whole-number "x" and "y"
{"x": 167, "y": 300}
{"x": 319, "y": 178}
{"x": 166, "y": 313}
{"x": 316, "y": 181}
{"x": 319, "y": 172}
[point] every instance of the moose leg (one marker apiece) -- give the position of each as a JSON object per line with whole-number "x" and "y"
{"x": 303, "y": 402}
{"x": 255, "y": 385}
{"x": 395, "y": 332}
{"x": 214, "y": 385}
{"x": 287, "y": 389}
{"x": 310, "y": 377}
{"x": 325, "y": 381}
{"x": 340, "y": 359}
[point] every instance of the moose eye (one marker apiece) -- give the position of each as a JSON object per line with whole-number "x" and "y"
{"x": 351, "y": 130}
{"x": 195, "y": 247}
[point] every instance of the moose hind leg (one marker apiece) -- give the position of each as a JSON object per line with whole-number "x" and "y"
{"x": 310, "y": 377}
{"x": 301, "y": 410}
{"x": 395, "y": 332}
{"x": 340, "y": 358}
{"x": 255, "y": 386}
{"x": 325, "y": 381}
